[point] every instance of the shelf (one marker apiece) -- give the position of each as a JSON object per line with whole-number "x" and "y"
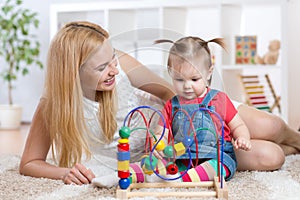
{"x": 252, "y": 2}
{"x": 252, "y": 67}
{"x": 134, "y": 25}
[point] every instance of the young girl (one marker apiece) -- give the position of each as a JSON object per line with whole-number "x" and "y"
{"x": 190, "y": 67}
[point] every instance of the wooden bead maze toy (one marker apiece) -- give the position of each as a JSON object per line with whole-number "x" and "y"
{"x": 129, "y": 186}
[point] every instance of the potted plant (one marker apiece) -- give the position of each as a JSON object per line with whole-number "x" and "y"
{"x": 19, "y": 49}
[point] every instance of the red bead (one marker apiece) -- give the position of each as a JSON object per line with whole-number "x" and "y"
{"x": 172, "y": 168}
{"x": 123, "y": 147}
{"x": 123, "y": 174}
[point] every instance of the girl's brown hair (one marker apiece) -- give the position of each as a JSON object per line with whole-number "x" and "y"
{"x": 190, "y": 47}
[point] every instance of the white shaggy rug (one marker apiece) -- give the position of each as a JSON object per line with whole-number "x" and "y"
{"x": 281, "y": 184}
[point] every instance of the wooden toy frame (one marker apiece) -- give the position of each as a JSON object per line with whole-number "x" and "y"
{"x": 218, "y": 191}
{"x": 124, "y": 190}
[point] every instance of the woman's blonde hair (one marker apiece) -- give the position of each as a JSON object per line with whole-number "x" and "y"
{"x": 63, "y": 112}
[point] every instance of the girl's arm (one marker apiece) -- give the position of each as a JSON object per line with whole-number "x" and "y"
{"x": 240, "y": 133}
{"x": 33, "y": 161}
{"x": 143, "y": 78}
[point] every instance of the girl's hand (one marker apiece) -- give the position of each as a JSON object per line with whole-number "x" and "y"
{"x": 242, "y": 143}
{"x": 78, "y": 175}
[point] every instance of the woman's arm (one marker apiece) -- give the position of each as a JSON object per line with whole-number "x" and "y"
{"x": 33, "y": 161}
{"x": 143, "y": 78}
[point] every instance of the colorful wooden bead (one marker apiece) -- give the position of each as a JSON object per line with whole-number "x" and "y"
{"x": 148, "y": 164}
{"x": 123, "y": 147}
{"x": 187, "y": 141}
{"x": 123, "y": 165}
{"x": 168, "y": 151}
{"x": 124, "y": 183}
{"x": 124, "y": 174}
{"x": 147, "y": 171}
{"x": 123, "y": 141}
{"x": 160, "y": 145}
{"x": 179, "y": 149}
{"x": 172, "y": 168}
{"x": 123, "y": 155}
{"x": 124, "y": 132}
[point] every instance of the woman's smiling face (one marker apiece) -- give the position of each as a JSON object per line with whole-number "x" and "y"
{"x": 99, "y": 71}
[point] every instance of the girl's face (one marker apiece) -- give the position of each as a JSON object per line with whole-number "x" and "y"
{"x": 189, "y": 81}
{"x": 99, "y": 71}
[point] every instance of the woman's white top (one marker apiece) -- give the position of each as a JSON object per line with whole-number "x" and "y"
{"x": 104, "y": 155}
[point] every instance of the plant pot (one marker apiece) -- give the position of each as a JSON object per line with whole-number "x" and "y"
{"x": 10, "y": 116}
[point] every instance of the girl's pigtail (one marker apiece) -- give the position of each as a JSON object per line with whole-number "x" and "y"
{"x": 219, "y": 41}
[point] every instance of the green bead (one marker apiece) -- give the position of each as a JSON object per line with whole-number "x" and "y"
{"x": 168, "y": 151}
{"x": 124, "y": 132}
{"x": 147, "y": 162}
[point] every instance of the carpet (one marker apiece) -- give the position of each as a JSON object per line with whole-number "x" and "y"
{"x": 280, "y": 184}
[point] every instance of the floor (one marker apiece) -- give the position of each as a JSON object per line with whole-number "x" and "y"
{"x": 12, "y": 141}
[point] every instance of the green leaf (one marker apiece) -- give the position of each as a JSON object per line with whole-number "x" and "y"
{"x": 25, "y": 71}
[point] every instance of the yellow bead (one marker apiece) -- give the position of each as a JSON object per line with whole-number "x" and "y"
{"x": 160, "y": 145}
{"x": 147, "y": 171}
{"x": 123, "y": 165}
{"x": 179, "y": 149}
{"x": 123, "y": 141}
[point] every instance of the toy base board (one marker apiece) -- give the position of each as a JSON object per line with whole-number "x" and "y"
{"x": 218, "y": 193}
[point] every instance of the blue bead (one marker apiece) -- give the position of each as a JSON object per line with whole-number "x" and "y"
{"x": 125, "y": 155}
{"x": 187, "y": 141}
{"x": 124, "y": 183}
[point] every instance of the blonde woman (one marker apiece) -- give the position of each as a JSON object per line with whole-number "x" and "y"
{"x": 81, "y": 79}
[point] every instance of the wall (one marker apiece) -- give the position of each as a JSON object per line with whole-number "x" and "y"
{"x": 28, "y": 89}
{"x": 294, "y": 63}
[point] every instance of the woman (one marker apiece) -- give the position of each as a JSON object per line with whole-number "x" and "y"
{"x": 81, "y": 80}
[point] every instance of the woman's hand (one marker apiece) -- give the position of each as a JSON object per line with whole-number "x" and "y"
{"x": 78, "y": 175}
